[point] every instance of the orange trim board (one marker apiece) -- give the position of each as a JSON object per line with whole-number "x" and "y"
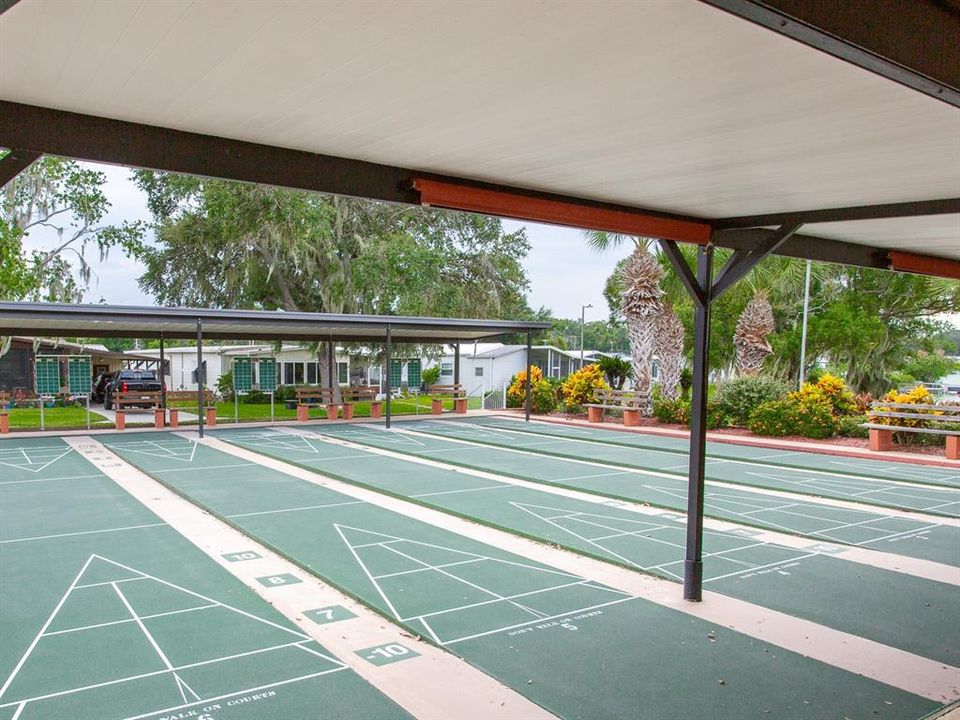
{"x": 924, "y": 265}
{"x": 556, "y": 212}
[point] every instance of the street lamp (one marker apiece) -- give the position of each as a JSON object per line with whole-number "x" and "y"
{"x": 583, "y": 311}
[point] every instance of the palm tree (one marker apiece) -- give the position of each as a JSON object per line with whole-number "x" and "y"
{"x": 750, "y": 339}
{"x": 668, "y": 346}
{"x": 641, "y": 307}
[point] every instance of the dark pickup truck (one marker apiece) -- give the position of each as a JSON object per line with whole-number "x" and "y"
{"x": 132, "y": 381}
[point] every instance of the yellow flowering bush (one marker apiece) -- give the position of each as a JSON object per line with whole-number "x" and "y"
{"x": 918, "y": 396}
{"x": 517, "y": 392}
{"x": 829, "y": 391}
{"x": 580, "y": 387}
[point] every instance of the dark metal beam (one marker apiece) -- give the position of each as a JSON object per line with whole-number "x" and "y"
{"x": 528, "y": 385}
{"x": 15, "y": 162}
{"x": 98, "y": 139}
{"x": 683, "y": 271}
{"x": 6, "y": 5}
{"x": 944, "y": 206}
{"x": 808, "y": 247}
{"x": 388, "y": 351}
{"x": 743, "y": 261}
{"x": 200, "y": 378}
{"x": 912, "y": 42}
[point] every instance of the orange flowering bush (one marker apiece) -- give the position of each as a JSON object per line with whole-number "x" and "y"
{"x": 517, "y": 392}
{"x": 580, "y": 387}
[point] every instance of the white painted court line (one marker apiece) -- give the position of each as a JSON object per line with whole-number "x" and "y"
{"x": 789, "y": 538}
{"x": 743, "y": 489}
{"x": 53, "y": 479}
{"x": 82, "y": 532}
{"x": 737, "y": 461}
{"x": 895, "y": 667}
{"x": 421, "y": 685}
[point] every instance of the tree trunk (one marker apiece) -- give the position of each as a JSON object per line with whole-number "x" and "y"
{"x": 327, "y": 374}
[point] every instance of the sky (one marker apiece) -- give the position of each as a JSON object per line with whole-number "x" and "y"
{"x": 563, "y": 272}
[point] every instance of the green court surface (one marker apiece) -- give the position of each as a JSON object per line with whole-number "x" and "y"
{"x": 902, "y": 611}
{"x": 872, "y": 529}
{"x": 808, "y": 480}
{"x": 578, "y": 648}
{"x": 107, "y": 612}
{"x": 880, "y": 469}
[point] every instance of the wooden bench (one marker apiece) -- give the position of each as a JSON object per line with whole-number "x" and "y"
{"x": 137, "y": 398}
{"x": 4, "y": 413}
{"x": 361, "y": 393}
{"x": 881, "y": 434}
{"x": 307, "y": 396}
{"x": 455, "y": 391}
{"x": 189, "y": 397}
{"x": 624, "y": 400}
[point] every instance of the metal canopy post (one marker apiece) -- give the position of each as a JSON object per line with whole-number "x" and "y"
{"x": 528, "y": 393}
{"x": 330, "y": 368}
{"x": 389, "y": 379}
{"x": 200, "y": 377}
{"x": 456, "y": 363}
{"x": 693, "y": 560}
{"x": 704, "y": 289}
{"x": 163, "y": 383}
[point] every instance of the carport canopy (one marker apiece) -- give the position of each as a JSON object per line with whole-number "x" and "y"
{"x": 816, "y": 130}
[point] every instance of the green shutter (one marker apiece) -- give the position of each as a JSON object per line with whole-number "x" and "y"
{"x": 413, "y": 374}
{"x": 242, "y": 375}
{"x": 396, "y": 373}
{"x": 48, "y": 375}
{"x": 268, "y": 374}
{"x": 79, "y": 375}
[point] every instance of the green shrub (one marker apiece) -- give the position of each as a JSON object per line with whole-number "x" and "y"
{"x": 849, "y": 426}
{"x": 793, "y": 416}
{"x": 430, "y": 376}
{"x": 284, "y": 393}
{"x": 672, "y": 411}
{"x": 686, "y": 382}
{"x": 616, "y": 370}
{"x": 544, "y": 398}
{"x": 737, "y": 398}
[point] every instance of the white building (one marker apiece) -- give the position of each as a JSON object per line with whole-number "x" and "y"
{"x": 489, "y": 366}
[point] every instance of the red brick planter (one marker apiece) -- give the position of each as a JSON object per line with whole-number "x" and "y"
{"x": 158, "y": 417}
{"x": 881, "y": 440}
{"x": 460, "y": 406}
{"x": 331, "y": 411}
{"x": 631, "y": 418}
{"x": 953, "y": 447}
{"x": 376, "y": 409}
{"x": 303, "y": 413}
{"x": 121, "y": 420}
{"x": 594, "y": 414}
{"x": 348, "y": 411}
{"x": 436, "y": 406}
{"x": 174, "y": 418}
{"x": 4, "y": 423}
{"x": 211, "y": 416}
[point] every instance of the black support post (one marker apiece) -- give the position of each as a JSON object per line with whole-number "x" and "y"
{"x": 456, "y": 363}
{"x": 331, "y": 369}
{"x": 163, "y": 383}
{"x": 529, "y": 385}
{"x": 389, "y": 381}
{"x": 693, "y": 561}
{"x": 200, "y": 377}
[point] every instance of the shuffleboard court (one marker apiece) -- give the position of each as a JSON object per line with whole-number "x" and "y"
{"x": 901, "y": 611}
{"x": 107, "y": 612}
{"x": 880, "y": 469}
{"x": 576, "y": 647}
{"x": 866, "y": 528}
{"x": 806, "y": 481}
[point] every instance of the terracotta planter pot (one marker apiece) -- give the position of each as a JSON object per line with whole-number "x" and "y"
{"x": 174, "y": 418}
{"x": 436, "y": 406}
{"x": 376, "y": 409}
{"x": 211, "y": 416}
{"x": 348, "y": 411}
{"x": 631, "y": 418}
{"x": 594, "y": 414}
{"x": 4, "y": 423}
{"x": 460, "y": 406}
{"x": 303, "y": 413}
{"x": 332, "y": 411}
{"x": 881, "y": 440}
{"x": 121, "y": 420}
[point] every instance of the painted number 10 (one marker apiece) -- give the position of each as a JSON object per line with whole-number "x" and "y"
{"x": 389, "y": 651}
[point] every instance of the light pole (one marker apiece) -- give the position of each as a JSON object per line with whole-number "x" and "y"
{"x": 583, "y": 312}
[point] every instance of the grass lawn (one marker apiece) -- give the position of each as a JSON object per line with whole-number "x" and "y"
{"x": 75, "y": 418}
{"x": 61, "y": 418}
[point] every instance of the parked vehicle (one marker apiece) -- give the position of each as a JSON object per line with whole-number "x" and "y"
{"x": 132, "y": 381}
{"x": 99, "y": 387}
